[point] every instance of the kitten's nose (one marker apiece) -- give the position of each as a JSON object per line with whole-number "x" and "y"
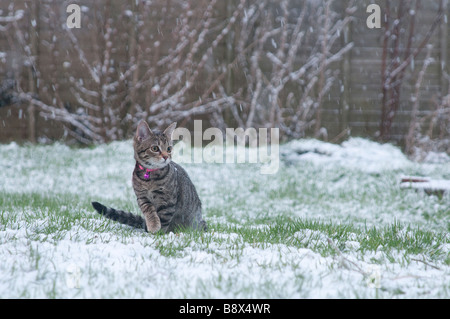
{"x": 165, "y": 156}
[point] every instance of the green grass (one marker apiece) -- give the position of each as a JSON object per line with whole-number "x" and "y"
{"x": 50, "y": 218}
{"x": 61, "y": 212}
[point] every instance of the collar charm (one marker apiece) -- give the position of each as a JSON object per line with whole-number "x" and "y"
{"x": 147, "y": 171}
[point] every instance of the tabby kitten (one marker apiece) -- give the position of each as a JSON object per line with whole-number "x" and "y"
{"x": 165, "y": 194}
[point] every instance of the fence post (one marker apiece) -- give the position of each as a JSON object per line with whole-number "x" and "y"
{"x": 33, "y": 73}
{"x": 346, "y": 37}
{"x": 443, "y": 49}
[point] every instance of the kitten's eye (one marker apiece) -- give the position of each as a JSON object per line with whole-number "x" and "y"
{"x": 169, "y": 149}
{"x": 154, "y": 148}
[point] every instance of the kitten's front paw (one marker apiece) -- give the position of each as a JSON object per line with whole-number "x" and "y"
{"x": 153, "y": 226}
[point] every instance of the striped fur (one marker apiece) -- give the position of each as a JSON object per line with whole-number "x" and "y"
{"x": 120, "y": 216}
{"x": 166, "y": 196}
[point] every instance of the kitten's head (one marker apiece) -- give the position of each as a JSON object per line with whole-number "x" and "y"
{"x": 153, "y": 150}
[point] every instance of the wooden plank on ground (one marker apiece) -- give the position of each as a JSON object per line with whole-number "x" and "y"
{"x": 430, "y": 186}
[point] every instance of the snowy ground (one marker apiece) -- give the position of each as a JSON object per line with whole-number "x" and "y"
{"x": 332, "y": 223}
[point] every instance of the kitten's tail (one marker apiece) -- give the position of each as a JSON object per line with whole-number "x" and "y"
{"x": 120, "y": 216}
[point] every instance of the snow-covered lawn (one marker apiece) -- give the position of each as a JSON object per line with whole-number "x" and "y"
{"x": 332, "y": 223}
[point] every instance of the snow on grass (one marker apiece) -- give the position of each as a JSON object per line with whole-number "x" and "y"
{"x": 332, "y": 223}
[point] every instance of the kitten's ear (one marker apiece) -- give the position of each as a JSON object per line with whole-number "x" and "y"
{"x": 143, "y": 131}
{"x": 169, "y": 130}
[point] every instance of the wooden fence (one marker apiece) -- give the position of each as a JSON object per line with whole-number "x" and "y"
{"x": 353, "y": 104}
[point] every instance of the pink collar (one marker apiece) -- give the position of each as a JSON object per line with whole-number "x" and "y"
{"x": 147, "y": 171}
